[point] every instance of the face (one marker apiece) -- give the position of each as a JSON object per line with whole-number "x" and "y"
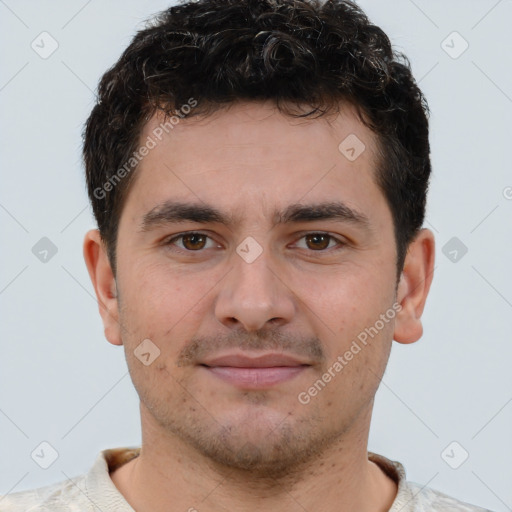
{"x": 260, "y": 263}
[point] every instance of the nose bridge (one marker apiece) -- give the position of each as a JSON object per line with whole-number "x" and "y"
{"x": 252, "y": 294}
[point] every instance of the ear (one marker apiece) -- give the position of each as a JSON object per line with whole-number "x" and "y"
{"x": 414, "y": 286}
{"x": 102, "y": 277}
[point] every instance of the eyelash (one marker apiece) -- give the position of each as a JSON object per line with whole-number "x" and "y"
{"x": 170, "y": 241}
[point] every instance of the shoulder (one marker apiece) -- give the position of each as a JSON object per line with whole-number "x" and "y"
{"x": 89, "y": 492}
{"x": 412, "y": 497}
{"x": 64, "y": 496}
{"x": 430, "y": 500}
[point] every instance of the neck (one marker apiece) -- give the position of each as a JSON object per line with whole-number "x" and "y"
{"x": 170, "y": 471}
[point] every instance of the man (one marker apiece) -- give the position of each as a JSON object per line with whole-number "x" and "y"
{"x": 258, "y": 170}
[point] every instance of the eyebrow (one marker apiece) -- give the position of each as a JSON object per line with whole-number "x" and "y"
{"x": 171, "y": 212}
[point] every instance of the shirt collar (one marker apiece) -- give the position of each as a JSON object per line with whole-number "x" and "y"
{"x": 100, "y": 486}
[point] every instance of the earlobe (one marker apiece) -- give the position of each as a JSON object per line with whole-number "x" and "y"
{"x": 105, "y": 286}
{"x": 414, "y": 286}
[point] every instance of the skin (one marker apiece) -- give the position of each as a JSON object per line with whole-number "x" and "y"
{"x": 209, "y": 444}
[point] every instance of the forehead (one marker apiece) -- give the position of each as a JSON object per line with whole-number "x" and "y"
{"x": 260, "y": 124}
{"x": 252, "y": 155}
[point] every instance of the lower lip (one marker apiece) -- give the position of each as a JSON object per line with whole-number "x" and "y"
{"x": 255, "y": 377}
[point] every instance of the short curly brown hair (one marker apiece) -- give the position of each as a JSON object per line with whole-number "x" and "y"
{"x": 303, "y": 52}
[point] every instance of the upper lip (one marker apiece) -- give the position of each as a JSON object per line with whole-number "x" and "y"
{"x": 257, "y": 361}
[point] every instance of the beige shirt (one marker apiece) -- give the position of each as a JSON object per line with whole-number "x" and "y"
{"x": 95, "y": 491}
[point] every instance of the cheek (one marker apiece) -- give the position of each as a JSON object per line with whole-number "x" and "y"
{"x": 154, "y": 292}
{"x": 354, "y": 368}
{"x": 164, "y": 306}
{"x": 346, "y": 300}
{"x": 345, "y": 313}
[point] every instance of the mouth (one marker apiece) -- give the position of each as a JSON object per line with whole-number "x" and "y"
{"x": 256, "y": 372}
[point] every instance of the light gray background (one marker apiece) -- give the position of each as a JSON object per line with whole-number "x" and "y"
{"x": 63, "y": 383}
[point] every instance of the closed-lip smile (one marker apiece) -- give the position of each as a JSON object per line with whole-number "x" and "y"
{"x": 255, "y": 371}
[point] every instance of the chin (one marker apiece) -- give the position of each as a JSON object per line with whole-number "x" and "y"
{"x": 266, "y": 442}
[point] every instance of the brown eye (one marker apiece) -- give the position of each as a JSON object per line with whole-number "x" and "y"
{"x": 317, "y": 241}
{"x": 191, "y": 241}
{"x": 194, "y": 241}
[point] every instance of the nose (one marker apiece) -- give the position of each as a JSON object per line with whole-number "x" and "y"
{"x": 254, "y": 296}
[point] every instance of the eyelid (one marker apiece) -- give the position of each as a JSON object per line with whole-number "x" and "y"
{"x": 169, "y": 241}
{"x": 339, "y": 242}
